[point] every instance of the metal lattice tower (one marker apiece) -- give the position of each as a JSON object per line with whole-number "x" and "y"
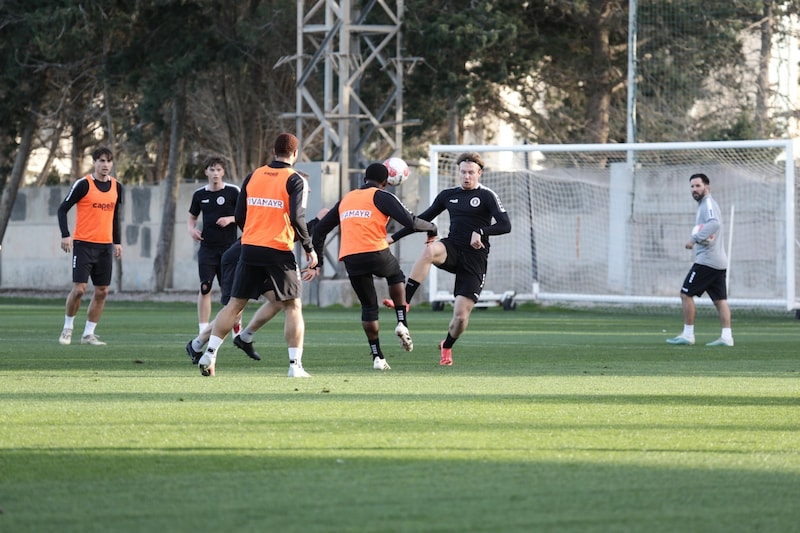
{"x": 340, "y": 45}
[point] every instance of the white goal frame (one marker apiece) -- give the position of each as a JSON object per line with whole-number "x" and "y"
{"x": 439, "y": 293}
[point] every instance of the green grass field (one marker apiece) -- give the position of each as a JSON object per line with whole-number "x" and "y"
{"x": 550, "y": 420}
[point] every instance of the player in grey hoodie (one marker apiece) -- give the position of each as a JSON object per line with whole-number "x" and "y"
{"x": 708, "y": 273}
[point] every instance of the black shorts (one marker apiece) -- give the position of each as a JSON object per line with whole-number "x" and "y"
{"x": 382, "y": 264}
{"x": 281, "y": 275}
{"x": 469, "y": 267}
{"x": 209, "y": 264}
{"x": 361, "y": 268}
{"x": 229, "y": 260}
{"x": 93, "y": 260}
{"x": 702, "y": 278}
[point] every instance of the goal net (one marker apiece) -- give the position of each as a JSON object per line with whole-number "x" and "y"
{"x": 607, "y": 224}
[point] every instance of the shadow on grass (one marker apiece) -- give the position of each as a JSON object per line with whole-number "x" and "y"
{"x": 291, "y": 490}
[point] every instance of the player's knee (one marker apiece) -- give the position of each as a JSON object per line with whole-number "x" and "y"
{"x": 205, "y": 287}
{"x": 292, "y": 305}
{"x": 369, "y": 314}
{"x": 427, "y": 254}
{"x": 78, "y": 290}
{"x": 395, "y": 279}
{"x": 434, "y": 253}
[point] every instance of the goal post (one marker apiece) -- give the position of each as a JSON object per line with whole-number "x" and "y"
{"x": 607, "y": 223}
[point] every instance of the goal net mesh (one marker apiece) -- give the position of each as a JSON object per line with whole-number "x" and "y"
{"x": 608, "y": 223}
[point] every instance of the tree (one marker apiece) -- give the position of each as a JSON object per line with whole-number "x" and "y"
{"x": 170, "y": 45}
{"x": 163, "y": 260}
{"x": 564, "y": 61}
{"x": 18, "y": 116}
{"x": 683, "y": 46}
{"x": 239, "y": 97}
{"x": 12, "y": 186}
{"x": 566, "y": 64}
{"x": 470, "y": 52}
{"x": 762, "y": 83}
{"x": 39, "y": 73}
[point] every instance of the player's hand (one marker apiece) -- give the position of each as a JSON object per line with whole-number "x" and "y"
{"x": 389, "y": 239}
{"x": 432, "y": 236}
{"x": 117, "y": 250}
{"x": 311, "y": 257}
{"x": 476, "y": 241}
{"x": 225, "y": 221}
{"x": 196, "y": 234}
{"x": 689, "y": 245}
{"x": 66, "y": 244}
{"x": 310, "y": 273}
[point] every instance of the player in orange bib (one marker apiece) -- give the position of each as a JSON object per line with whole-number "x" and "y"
{"x": 271, "y": 210}
{"x": 94, "y": 244}
{"x": 363, "y": 215}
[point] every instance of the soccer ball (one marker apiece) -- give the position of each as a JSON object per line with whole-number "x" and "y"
{"x": 398, "y": 170}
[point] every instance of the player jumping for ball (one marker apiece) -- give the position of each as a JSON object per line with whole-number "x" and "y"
{"x": 465, "y": 251}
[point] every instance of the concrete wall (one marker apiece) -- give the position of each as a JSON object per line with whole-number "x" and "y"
{"x": 31, "y": 257}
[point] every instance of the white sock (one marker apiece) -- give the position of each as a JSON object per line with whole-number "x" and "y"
{"x": 688, "y": 331}
{"x": 89, "y": 329}
{"x": 202, "y": 326}
{"x": 296, "y": 356}
{"x": 727, "y": 334}
{"x": 214, "y": 343}
{"x": 196, "y": 344}
{"x": 69, "y": 322}
{"x": 246, "y": 335}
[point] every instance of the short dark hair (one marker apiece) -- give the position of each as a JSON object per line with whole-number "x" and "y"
{"x": 376, "y": 172}
{"x": 701, "y": 176}
{"x": 100, "y": 152}
{"x": 285, "y": 145}
{"x": 471, "y": 157}
{"x": 213, "y": 160}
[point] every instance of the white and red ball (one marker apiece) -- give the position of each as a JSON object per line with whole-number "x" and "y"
{"x": 398, "y": 170}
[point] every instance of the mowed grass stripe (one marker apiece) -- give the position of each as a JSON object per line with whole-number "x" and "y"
{"x": 550, "y": 420}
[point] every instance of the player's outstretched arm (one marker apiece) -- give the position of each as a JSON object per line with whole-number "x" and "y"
{"x": 390, "y": 205}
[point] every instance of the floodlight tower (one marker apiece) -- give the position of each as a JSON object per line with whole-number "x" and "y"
{"x": 340, "y": 44}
